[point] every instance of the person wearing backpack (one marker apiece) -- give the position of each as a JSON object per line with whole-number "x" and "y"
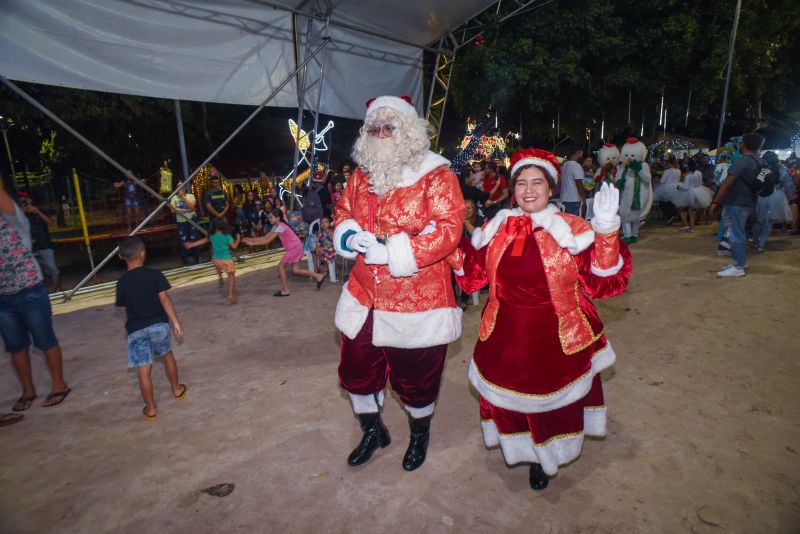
{"x": 737, "y": 195}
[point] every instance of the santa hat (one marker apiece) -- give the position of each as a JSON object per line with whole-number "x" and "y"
{"x": 540, "y": 158}
{"x": 611, "y": 145}
{"x": 401, "y": 104}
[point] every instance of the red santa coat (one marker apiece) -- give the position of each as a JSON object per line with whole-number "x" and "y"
{"x": 541, "y": 343}
{"x": 412, "y": 297}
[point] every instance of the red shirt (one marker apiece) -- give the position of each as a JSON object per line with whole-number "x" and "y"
{"x": 489, "y": 183}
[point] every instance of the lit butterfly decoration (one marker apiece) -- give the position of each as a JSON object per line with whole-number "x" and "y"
{"x": 303, "y": 141}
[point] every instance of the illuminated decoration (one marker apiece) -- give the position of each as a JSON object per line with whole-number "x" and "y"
{"x": 480, "y": 144}
{"x": 202, "y": 183}
{"x": 795, "y": 140}
{"x": 303, "y": 141}
{"x": 663, "y": 148}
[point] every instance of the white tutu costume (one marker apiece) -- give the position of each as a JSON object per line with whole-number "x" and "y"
{"x": 669, "y": 180}
{"x": 682, "y": 195}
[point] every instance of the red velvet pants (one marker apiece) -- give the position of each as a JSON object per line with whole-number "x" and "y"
{"x": 415, "y": 374}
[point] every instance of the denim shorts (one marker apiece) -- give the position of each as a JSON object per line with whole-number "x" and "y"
{"x": 147, "y": 342}
{"x": 27, "y": 315}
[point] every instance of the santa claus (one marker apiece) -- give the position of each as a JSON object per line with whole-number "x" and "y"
{"x": 634, "y": 182}
{"x": 400, "y": 217}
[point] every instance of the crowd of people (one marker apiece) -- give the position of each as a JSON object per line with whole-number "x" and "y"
{"x": 418, "y": 234}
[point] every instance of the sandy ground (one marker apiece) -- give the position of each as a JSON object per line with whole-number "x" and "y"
{"x": 704, "y": 431}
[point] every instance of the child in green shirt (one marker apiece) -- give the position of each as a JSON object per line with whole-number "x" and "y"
{"x": 221, "y": 256}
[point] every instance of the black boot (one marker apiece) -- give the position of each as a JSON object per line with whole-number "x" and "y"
{"x": 375, "y": 435}
{"x": 418, "y": 444}
{"x": 538, "y": 478}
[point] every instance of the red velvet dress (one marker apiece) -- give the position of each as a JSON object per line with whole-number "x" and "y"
{"x": 549, "y": 399}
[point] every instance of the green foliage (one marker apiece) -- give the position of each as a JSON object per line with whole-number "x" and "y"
{"x": 583, "y": 57}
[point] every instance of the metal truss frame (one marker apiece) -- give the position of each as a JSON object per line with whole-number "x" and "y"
{"x": 449, "y": 45}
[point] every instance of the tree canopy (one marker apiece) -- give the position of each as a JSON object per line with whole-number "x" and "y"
{"x": 583, "y": 57}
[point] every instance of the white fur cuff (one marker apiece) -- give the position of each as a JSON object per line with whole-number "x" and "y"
{"x": 366, "y": 403}
{"x": 604, "y": 226}
{"x": 342, "y": 228}
{"x": 401, "y": 255}
{"x": 419, "y": 413}
{"x": 611, "y": 271}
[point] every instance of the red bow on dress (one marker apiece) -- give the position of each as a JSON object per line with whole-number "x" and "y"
{"x": 520, "y": 227}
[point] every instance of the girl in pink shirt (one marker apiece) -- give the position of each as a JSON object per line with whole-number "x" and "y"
{"x": 293, "y": 251}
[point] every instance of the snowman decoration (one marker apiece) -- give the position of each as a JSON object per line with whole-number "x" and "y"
{"x": 608, "y": 158}
{"x": 633, "y": 179}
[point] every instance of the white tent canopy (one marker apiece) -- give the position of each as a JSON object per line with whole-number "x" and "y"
{"x": 235, "y": 52}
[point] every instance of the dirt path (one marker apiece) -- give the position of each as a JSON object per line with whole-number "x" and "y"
{"x": 704, "y": 432}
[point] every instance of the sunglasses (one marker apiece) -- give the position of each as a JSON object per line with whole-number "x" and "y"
{"x": 375, "y": 129}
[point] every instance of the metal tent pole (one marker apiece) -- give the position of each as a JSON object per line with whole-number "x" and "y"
{"x": 181, "y": 139}
{"x": 188, "y": 179}
{"x": 85, "y": 141}
{"x": 728, "y": 75}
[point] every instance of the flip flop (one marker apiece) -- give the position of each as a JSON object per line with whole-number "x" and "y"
{"x": 183, "y": 393}
{"x": 148, "y": 417}
{"x": 279, "y": 294}
{"x": 60, "y": 395}
{"x": 25, "y": 401}
{"x": 11, "y": 418}
{"x": 319, "y": 284}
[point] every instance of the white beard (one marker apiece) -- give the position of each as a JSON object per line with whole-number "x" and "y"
{"x": 383, "y": 160}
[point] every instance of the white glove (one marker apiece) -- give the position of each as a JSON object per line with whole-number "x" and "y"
{"x": 428, "y": 229}
{"x": 377, "y": 254}
{"x": 605, "y": 207}
{"x": 361, "y": 241}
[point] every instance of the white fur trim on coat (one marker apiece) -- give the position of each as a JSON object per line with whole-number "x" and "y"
{"x": 551, "y": 221}
{"x": 366, "y": 403}
{"x": 419, "y": 413}
{"x": 345, "y": 226}
{"x": 611, "y": 271}
{"x": 412, "y": 330}
{"x": 401, "y": 255}
{"x": 430, "y": 162}
{"x": 415, "y": 330}
{"x": 529, "y": 403}
{"x": 350, "y": 314}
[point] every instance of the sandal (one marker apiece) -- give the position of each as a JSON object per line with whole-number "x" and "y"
{"x": 11, "y": 418}
{"x": 148, "y": 417}
{"x": 319, "y": 282}
{"x": 538, "y": 479}
{"x": 25, "y": 402}
{"x": 183, "y": 393}
{"x": 58, "y": 396}
{"x": 279, "y": 294}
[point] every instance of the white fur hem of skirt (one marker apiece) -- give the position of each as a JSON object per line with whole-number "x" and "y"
{"x": 419, "y": 413}
{"x": 519, "y": 448}
{"x": 528, "y": 403}
{"x": 341, "y": 228}
{"x": 611, "y": 271}
{"x": 367, "y": 403}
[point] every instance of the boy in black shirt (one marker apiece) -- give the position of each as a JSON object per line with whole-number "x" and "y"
{"x": 148, "y": 309}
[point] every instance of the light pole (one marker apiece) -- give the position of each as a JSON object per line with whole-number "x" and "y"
{"x": 5, "y": 124}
